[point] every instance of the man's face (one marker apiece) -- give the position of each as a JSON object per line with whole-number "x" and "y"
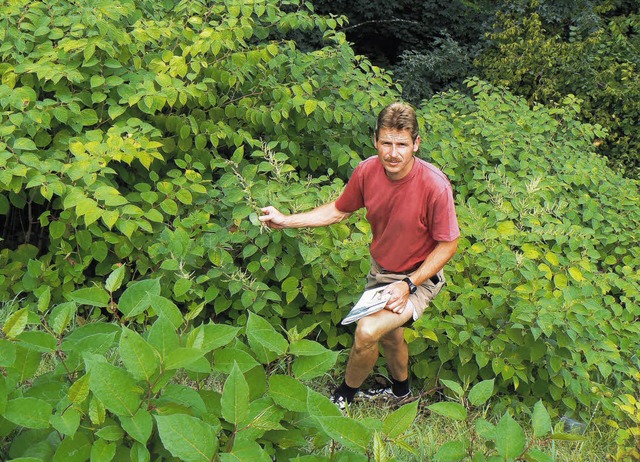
{"x": 395, "y": 151}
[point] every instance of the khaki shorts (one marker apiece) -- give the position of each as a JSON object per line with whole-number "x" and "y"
{"x": 426, "y": 292}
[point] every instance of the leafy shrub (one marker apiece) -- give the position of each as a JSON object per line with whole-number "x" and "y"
{"x": 103, "y": 391}
{"x": 543, "y": 295}
{"x": 598, "y": 66}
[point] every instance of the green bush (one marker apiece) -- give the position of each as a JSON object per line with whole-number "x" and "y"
{"x": 137, "y": 143}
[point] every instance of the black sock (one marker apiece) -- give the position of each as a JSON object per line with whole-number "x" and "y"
{"x": 346, "y": 391}
{"x": 399, "y": 388}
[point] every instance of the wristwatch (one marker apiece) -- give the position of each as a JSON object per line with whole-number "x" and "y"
{"x": 412, "y": 286}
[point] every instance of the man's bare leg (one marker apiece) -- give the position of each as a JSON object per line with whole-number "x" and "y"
{"x": 364, "y": 353}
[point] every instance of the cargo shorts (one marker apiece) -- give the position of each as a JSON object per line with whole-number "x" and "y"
{"x": 378, "y": 276}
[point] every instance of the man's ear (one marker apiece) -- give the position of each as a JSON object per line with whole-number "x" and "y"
{"x": 416, "y": 143}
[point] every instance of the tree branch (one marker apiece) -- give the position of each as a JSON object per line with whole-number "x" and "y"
{"x": 379, "y": 21}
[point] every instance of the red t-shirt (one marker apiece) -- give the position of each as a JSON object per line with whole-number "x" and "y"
{"x": 408, "y": 217}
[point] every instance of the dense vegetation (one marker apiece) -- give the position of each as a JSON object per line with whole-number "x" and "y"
{"x": 543, "y": 50}
{"x": 137, "y": 142}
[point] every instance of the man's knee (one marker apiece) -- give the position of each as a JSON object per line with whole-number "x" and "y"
{"x": 366, "y": 335}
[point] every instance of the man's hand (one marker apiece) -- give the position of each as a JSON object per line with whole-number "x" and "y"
{"x": 399, "y": 296}
{"x": 272, "y": 217}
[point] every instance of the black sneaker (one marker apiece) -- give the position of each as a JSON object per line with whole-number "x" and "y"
{"x": 382, "y": 393}
{"x": 339, "y": 400}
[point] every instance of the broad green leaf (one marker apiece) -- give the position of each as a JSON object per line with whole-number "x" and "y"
{"x": 163, "y": 337}
{"x": 567, "y": 437}
{"x": 40, "y": 341}
{"x": 7, "y": 353}
{"x": 245, "y": 451}
{"x": 288, "y": 392}
{"x": 536, "y": 455}
{"x": 73, "y": 449}
{"x": 540, "y": 420}
{"x": 115, "y": 388}
{"x": 139, "y": 453}
{"x": 114, "y": 281}
{"x": 264, "y": 414}
{"x": 103, "y": 451}
{"x": 110, "y": 432}
{"x": 309, "y": 106}
{"x": 25, "y": 144}
{"x": 481, "y": 392}
{"x": 319, "y": 405}
{"x": 452, "y": 410}
{"x": 510, "y": 438}
{"x": 16, "y": 323}
{"x": 61, "y": 316}
{"x": 453, "y": 386}
{"x": 400, "y": 420}
{"x": 28, "y": 412}
{"x": 348, "y": 432}
{"x": 235, "y": 397}
{"x": 309, "y": 367}
{"x": 79, "y": 390}
{"x": 166, "y": 308}
{"x": 181, "y": 357}
{"x": 66, "y": 423}
{"x": 139, "y": 427}
{"x": 217, "y": 335}
{"x": 136, "y": 298}
{"x": 452, "y": 451}
{"x": 97, "y": 412}
{"x": 187, "y": 438}
{"x": 4, "y": 393}
{"x": 306, "y": 347}
{"x": 264, "y": 340}
{"x": 137, "y": 355}
{"x": 92, "y": 296}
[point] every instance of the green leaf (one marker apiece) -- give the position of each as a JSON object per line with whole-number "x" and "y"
{"x": 481, "y": 392}
{"x": 167, "y": 309}
{"x": 79, "y": 390}
{"x": 309, "y": 106}
{"x": 510, "y": 438}
{"x": 139, "y": 427}
{"x": 541, "y": 421}
{"x": 348, "y": 432}
{"x": 114, "y": 281}
{"x": 188, "y": 438}
{"x": 305, "y": 347}
{"x": 103, "y": 451}
{"x": 217, "y": 335}
{"x": 7, "y": 353}
{"x": 181, "y": 357}
{"x": 245, "y": 451}
{"x": 115, "y": 388}
{"x": 320, "y": 406}
{"x": 139, "y": 358}
{"x": 400, "y": 420}
{"x": 74, "y": 449}
{"x": 288, "y": 393}
{"x": 235, "y": 397}
{"x": 61, "y": 316}
{"x": 92, "y": 296}
{"x": 264, "y": 340}
{"x": 290, "y": 284}
{"x": 43, "y": 342}
{"x": 136, "y": 298}
{"x": 452, "y": 410}
{"x": 110, "y": 433}
{"x": 25, "y": 144}
{"x": 309, "y": 367}
{"x": 67, "y": 423}
{"x": 451, "y": 451}
{"x": 163, "y": 337}
{"x": 16, "y": 323}
{"x": 453, "y": 386}
{"x": 28, "y": 412}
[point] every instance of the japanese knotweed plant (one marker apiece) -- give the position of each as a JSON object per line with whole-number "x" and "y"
{"x": 105, "y": 391}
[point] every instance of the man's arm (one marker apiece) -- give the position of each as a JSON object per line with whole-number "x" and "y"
{"x": 323, "y": 215}
{"x": 443, "y": 252}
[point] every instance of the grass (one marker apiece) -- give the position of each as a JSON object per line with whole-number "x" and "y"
{"x": 430, "y": 432}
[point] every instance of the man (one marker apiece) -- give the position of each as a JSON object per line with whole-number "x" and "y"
{"x": 410, "y": 207}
